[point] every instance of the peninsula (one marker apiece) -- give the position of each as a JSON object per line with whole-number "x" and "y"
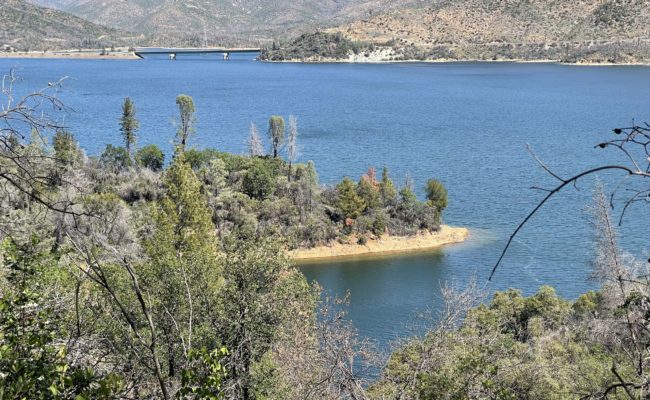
{"x": 423, "y": 241}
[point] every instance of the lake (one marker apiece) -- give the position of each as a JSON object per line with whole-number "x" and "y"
{"x": 466, "y": 124}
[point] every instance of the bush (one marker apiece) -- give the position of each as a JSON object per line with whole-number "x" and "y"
{"x": 150, "y": 156}
{"x": 379, "y": 224}
{"x": 200, "y": 158}
{"x": 115, "y": 158}
{"x": 259, "y": 182}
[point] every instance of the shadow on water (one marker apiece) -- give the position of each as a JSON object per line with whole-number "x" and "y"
{"x": 390, "y": 292}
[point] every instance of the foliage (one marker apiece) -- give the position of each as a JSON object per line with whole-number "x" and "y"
{"x": 368, "y": 190}
{"x": 152, "y": 272}
{"x": 349, "y": 202}
{"x": 203, "y": 379}
{"x": 387, "y": 188}
{"x": 32, "y": 364}
{"x": 186, "y": 112}
{"x": 514, "y": 347}
{"x": 129, "y": 125}
{"x": 315, "y": 46}
{"x": 115, "y": 158}
{"x": 65, "y": 148}
{"x": 150, "y": 156}
{"x": 276, "y": 133}
{"x": 437, "y": 196}
{"x": 259, "y": 182}
{"x": 200, "y": 158}
{"x": 252, "y": 296}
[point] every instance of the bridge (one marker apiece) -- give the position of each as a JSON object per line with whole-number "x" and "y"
{"x": 175, "y": 51}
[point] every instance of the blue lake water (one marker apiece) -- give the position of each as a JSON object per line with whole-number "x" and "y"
{"x": 466, "y": 124}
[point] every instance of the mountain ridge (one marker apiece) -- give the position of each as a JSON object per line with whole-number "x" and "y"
{"x": 564, "y": 30}
{"x": 247, "y": 20}
{"x": 24, "y": 26}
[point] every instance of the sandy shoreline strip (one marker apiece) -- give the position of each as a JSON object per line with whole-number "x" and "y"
{"x": 385, "y": 245}
{"x": 85, "y": 55}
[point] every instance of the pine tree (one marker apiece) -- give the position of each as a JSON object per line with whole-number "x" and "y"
{"x": 437, "y": 196}
{"x": 312, "y": 183}
{"x": 349, "y": 202}
{"x": 368, "y": 191}
{"x": 387, "y": 188}
{"x": 129, "y": 125}
{"x": 183, "y": 275}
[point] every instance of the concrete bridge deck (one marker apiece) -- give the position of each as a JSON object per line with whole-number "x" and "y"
{"x": 143, "y": 51}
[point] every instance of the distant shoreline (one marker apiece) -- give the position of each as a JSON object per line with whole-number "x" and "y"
{"x": 71, "y": 55}
{"x": 95, "y": 54}
{"x": 452, "y": 61}
{"x": 385, "y": 245}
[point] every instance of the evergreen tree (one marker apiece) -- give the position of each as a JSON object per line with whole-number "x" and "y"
{"x": 349, "y": 202}
{"x": 369, "y": 192}
{"x": 183, "y": 274}
{"x": 129, "y": 125}
{"x": 436, "y": 194}
{"x": 276, "y": 134}
{"x": 66, "y": 150}
{"x": 312, "y": 182}
{"x": 387, "y": 188}
{"x": 437, "y": 197}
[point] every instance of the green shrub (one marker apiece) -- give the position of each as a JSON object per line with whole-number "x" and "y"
{"x": 115, "y": 158}
{"x": 200, "y": 158}
{"x": 259, "y": 182}
{"x": 150, "y": 156}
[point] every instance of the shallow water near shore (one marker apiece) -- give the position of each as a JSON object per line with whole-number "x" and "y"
{"x": 466, "y": 124}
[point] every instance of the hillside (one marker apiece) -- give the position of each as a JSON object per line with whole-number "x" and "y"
{"x": 568, "y": 30}
{"x": 598, "y": 31}
{"x": 24, "y": 26}
{"x": 219, "y": 21}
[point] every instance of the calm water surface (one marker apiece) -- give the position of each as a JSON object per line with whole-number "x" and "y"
{"x": 465, "y": 123}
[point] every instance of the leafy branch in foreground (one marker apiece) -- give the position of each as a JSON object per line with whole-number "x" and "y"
{"x": 634, "y": 143}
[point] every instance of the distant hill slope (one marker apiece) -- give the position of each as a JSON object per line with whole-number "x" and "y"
{"x": 28, "y": 27}
{"x": 249, "y": 20}
{"x": 570, "y": 30}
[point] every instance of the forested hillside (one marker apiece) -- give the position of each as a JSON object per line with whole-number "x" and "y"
{"x": 24, "y": 26}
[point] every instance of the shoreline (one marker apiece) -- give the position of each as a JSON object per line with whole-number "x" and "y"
{"x": 385, "y": 245}
{"x": 71, "y": 55}
{"x": 95, "y": 54}
{"x": 451, "y": 61}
